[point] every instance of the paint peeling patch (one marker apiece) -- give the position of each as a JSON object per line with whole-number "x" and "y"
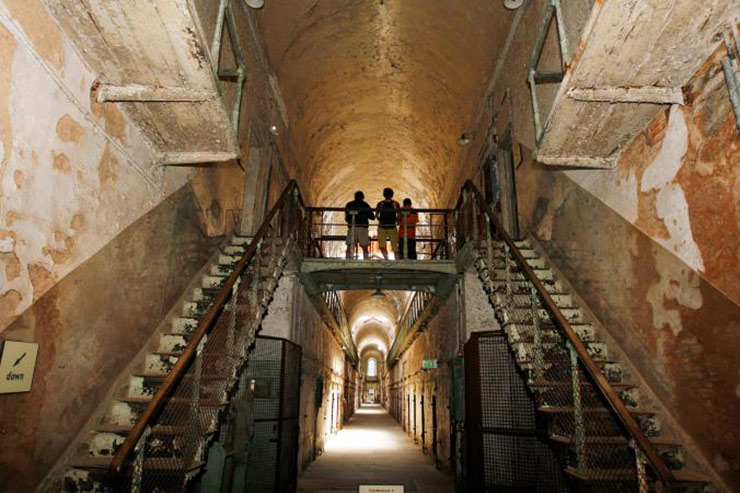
{"x": 666, "y": 164}
{"x": 670, "y": 201}
{"x": 9, "y": 302}
{"x": 41, "y": 279}
{"x": 19, "y": 177}
{"x": 681, "y": 286}
{"x": 60, "y": 162}
{"x": 108, "y": 166}
{"x": 671, "y": 206}
{"x": 77, "y": 222}
{"x": 12, "y": 265}
{"x": 41, "y": 29}
{"x": 69, "y": 130}
{"x": 11, "y": 218}
{"x": 61, "y": 255}
{"x": 114, "y": 121}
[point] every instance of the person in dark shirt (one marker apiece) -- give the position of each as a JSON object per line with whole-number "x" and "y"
{"x": 358, "y": 215}
{"x": 387, "y": 210}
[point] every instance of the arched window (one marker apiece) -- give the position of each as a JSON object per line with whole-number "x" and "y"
{"x": 372, "y": 367}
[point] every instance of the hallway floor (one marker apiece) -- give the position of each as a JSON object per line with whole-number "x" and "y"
{"x": 372, "y": 450}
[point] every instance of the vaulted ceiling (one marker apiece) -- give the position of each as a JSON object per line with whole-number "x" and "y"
{"x": 379, "y": 91}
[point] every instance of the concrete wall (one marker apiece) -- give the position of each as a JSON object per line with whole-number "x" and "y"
{"x": 89, "y": 326}
{"x": 652, "y": 246}
{"x": 293, "y": 316}
{"x": 442, "y": 340}
{"x": 96, "y": 239}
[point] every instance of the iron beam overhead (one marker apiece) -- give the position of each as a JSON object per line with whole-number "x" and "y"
{"x": 648, "y": 94}
{"x": 194, "y": 158}
{"x": 145, "y": 93}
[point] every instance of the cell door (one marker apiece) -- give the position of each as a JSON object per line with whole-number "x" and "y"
{"x": 274, "y": 373}
{"x": 507, "y": 448}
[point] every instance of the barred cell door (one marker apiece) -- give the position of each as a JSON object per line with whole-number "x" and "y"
{"x": 507, "y": 448}
{"x": 274, "y": 373}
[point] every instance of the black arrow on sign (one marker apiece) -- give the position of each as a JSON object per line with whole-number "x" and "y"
{"x": 19, "y": 360}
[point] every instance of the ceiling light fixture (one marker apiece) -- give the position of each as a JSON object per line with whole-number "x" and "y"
{"x": 273, "y": 129}
{"x": 513, "y": 4}
{"x": 256, "y": 4}
{"x": 378, "y": 293}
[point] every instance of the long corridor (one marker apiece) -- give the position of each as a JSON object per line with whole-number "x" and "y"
{"x": 373, "y": 450}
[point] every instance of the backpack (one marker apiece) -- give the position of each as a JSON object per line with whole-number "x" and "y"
{"x": 387, "y": 214}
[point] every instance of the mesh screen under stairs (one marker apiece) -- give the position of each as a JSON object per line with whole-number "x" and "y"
{"x": 599, "y": 455}
{"x": 171, "y": 449}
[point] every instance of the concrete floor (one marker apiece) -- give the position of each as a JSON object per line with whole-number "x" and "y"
{"x": 373, "y": 450}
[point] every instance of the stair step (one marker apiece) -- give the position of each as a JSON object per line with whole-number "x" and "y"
{"x": 126, "y": 429}
{"x": 167, "y": 464}
{"x": 568, "y": 384}
{"x": 685, "y": 478}
{"x": 146, "y": 399}
{"x": 589, "y": 410}
{"x": 234, "y": 250}
{"x": 613, "y": 440}
{"x": 241, "y": 240}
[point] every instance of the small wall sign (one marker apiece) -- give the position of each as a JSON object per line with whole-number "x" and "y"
{"x": 16, "y": 366}
{"x": 429, "y": 364}
{"x": 381, "y": 488}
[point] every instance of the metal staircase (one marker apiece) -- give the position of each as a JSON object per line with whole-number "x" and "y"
{"x": 612, "y": 434}
{"x": 155, "y": 434}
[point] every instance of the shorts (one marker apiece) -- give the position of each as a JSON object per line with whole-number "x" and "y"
{"x": 361, "y": 236}
{"x": 391, "y": 234}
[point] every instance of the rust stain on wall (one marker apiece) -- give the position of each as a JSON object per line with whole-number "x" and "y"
{"x": 108, "y": 166}
{"x": 60, "y": 162}
{"x": 69, "y": 130}
{"x": 43, "y": 32}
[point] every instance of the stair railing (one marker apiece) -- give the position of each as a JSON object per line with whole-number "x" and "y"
{"x": 470, "y": 208}
{"x": 281, "y": 223}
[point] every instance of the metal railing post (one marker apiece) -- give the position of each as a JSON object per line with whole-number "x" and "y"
{"x": 579, "y": 432}
{"x": 405, "y": 252}
{"x": 539, "y": 361}
{"x": 352, "y": 233}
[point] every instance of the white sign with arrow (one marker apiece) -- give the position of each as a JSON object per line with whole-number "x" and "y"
{"x": 17, "y": 365}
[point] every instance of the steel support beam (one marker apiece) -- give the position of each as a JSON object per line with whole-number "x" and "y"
{"x": 649, "y": 94}
{"x": 194, "y": 158}
{"x": 145, "y": 93}
{"x": 578, "y": 161}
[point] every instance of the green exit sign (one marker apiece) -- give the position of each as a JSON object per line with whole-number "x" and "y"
{"x": 429, "y": 364}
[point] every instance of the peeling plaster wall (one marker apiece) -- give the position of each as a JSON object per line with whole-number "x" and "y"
{"x": 89, "y": 326}
{"x": 653, "y": 245}
{"x": 653, "y": 248}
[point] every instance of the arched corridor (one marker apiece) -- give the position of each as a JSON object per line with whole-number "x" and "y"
{"x": 266, "y": 246}
{"x": 372, "y": 449}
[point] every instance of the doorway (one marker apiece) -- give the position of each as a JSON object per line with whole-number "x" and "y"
{"x": 506, "y": 178}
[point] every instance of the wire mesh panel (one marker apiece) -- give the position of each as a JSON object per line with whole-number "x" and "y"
{"x": 274, "y": 374}
{"x": 507, "y": 450}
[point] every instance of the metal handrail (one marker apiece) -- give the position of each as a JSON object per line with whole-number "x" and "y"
{"x": 607, "y": 391}
{"x": 121, "y": 457}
